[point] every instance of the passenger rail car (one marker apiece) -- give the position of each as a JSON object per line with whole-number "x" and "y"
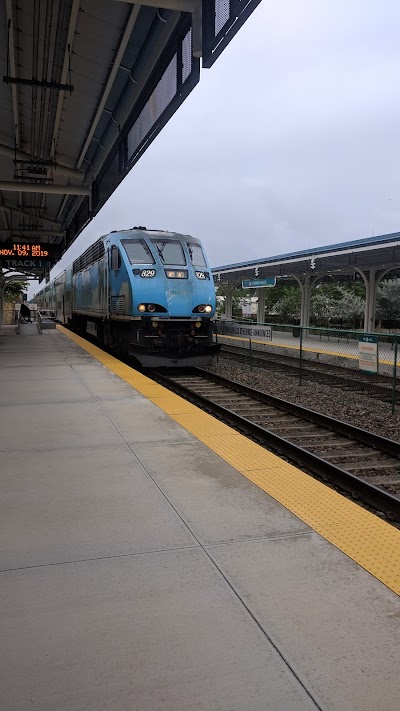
{"x": 144, "y": 293}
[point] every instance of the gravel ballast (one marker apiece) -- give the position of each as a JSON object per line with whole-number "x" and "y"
{"x": 355, "y": 408}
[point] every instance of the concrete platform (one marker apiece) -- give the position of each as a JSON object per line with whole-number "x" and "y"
{"x": 140, "y": 571}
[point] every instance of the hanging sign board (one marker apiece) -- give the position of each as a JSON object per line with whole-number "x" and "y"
{"x": 235, "y": 329}
{"x": 258, "y": 283}
{"x": 368, "y": 353}
{"x": 23, "y": 263}
{"x": 25, "y": 250}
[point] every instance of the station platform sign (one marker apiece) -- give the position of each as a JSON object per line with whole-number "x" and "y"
{"x": 258, "y": 283}
{"x": 28, "y": 250}
{"x": 245, "y": 331}
{"x": 24, "y": 263}
{"x": 368, "y": 353}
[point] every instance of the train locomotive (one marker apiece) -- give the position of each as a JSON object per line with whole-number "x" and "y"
{"x": 146, "y": 294}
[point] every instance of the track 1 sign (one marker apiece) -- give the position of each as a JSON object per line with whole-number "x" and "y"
{"x": 368, "y": 353}
{"x": 258, "y": 283}
{"x": 24, "y": 263}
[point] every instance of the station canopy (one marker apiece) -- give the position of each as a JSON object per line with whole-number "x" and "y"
{"x": 372, "y": 254}
{"x": 86, "y": 87}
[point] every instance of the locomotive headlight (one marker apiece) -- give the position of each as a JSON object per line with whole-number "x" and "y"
{"x": 198, "y": 324}
{"x": 176, "y": 273}
{"x": 141, "y": 308}
{"x": 208, "y": 309}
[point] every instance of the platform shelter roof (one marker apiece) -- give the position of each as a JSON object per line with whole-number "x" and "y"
{"x": 379, "y": 253}
{"x": 85, "y": 87}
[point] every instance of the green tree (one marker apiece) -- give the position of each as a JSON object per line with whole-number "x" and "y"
{"x": 272, "y": 296}
{"x": 349, "y": 307}
{"x": 337, "y": 302}
{"x": 322, "y": 305}
{"x": 388, "y": 300}
{"x": 14, "y": 289}
{"x": 289, "y": 305}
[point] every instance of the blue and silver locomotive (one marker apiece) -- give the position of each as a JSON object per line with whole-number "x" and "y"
{"x": 143, "y": 293}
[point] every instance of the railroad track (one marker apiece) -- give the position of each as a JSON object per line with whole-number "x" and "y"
{"x": 379, "y": 387}
{"x": 355, "y": 460}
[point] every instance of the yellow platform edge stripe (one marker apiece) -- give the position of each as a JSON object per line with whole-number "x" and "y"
{"x": 362, "y": 536}
{"x": 293, "y": 347}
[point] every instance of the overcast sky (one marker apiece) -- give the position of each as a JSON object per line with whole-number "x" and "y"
{"x": 291, "y": 140}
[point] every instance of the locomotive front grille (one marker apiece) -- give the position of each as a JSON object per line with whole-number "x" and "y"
{"x": 175, "y": 338}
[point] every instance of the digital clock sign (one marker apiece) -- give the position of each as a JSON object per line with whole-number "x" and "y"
{"x": 23, "y": 249}
{"x": 15, "y": 250}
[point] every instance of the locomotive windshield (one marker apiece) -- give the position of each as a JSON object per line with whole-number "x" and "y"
{"x": 169, "y": 251}
{"x": 196, "y": 254}
{"x": 138, "y": 252}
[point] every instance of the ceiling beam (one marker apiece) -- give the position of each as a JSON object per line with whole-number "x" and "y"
{"x": 19, "y": 232}
{"x": 180, "y": 5}
{"x": 11, "y": 55}
{"x": 134, "y": 13}
{"x": 57, "y": 168}
{"x": 41, "y": 83}
{"x": 133, "y": 16}
{"x": 68, "y": 49}
{"x": 52, "y": 189}
{"x": 130, "y": 95}
{"x": 22, "y": 213}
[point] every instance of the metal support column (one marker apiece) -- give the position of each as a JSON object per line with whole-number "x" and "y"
{"x": 371, "y": 284}
{"x": 305, "y": 288}
{"x": 372, "y": 287}
{"x": 228, "y": 301}
{"x": 261, "y": 305}
{"x": 305, "y": 301}
{"x": 306, "y": 283}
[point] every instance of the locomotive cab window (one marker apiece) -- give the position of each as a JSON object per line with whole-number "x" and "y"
{"x": 138, "y": 251}
{"x": 115, "y": 258}
{"x": 196, "y": 254}
{"x": 169, "y": 251}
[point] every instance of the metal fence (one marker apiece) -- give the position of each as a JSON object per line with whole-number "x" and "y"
{"x": 345, "y": 359}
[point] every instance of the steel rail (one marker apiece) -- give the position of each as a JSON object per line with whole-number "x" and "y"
{"x": 371, "y": 439}
{"x": 370, "y": 494}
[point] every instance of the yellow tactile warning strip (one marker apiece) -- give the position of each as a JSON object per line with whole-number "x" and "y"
{"x": 294, "y": 347}
{"x": 372, "y": 543}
